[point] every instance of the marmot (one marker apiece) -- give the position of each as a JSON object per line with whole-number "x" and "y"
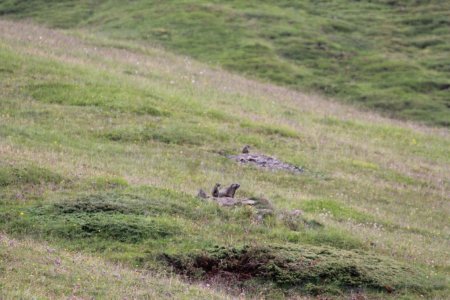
{"x": 229, "y": 191}
{"x": 215, "y": 191}
{"x": 246, "y": 149}
{"x": 202, "y": 194}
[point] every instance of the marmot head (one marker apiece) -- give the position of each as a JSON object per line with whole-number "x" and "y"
{"x": 246, "y": 149}
{"x": 235, "y": 186}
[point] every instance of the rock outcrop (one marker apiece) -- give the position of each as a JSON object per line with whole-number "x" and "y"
{"x": 264, "y": 161}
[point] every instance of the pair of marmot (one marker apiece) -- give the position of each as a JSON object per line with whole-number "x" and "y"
{"x": 225, "y": 192}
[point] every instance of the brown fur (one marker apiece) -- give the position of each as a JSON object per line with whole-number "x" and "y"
{"x": 215, "y": 191}
{"x": 229, "y": 191}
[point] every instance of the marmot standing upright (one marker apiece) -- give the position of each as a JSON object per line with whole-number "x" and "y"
{"x": 215, "y": 191}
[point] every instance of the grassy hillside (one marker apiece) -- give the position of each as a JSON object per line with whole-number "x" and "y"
{"x": 104, "y": 144}
{"x": 392, "y": 56}
{"x": 32, "y": 270}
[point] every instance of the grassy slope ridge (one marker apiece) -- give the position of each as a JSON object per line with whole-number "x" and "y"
{"x": 104, "y": 142}
{"x": 33, "y": 270}
{"x": 392, "y": 56}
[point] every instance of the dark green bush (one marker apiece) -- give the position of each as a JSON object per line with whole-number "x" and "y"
{"x": 311, "y": 269}
{"x": 152, "y": 202}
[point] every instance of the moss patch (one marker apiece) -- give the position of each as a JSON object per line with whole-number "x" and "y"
{"x": 96, "y": 222}
{"x": 156, "y": 202}
{"x": 314, "y": 270}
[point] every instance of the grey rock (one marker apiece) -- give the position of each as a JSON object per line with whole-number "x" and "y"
{"x": 227, "y": 201}
{"x": 265, "y": 161}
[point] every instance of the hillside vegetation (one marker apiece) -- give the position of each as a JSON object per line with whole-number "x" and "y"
{"x": 388, "y": 55}
{"x": 32, "y": 270}
{"x": 104, "y": 144}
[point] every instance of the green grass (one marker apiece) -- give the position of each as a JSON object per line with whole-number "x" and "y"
{"x": 336, "y": 210}
{"x": 10, "y": 175}
{"x": 391, "y": 56}
{"x": 87, "y": 165}
{"x": 34, "y": 270}
{"x": 313, "y": 270}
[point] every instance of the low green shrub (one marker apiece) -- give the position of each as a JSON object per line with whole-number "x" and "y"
{"x": 311, "y": 269}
